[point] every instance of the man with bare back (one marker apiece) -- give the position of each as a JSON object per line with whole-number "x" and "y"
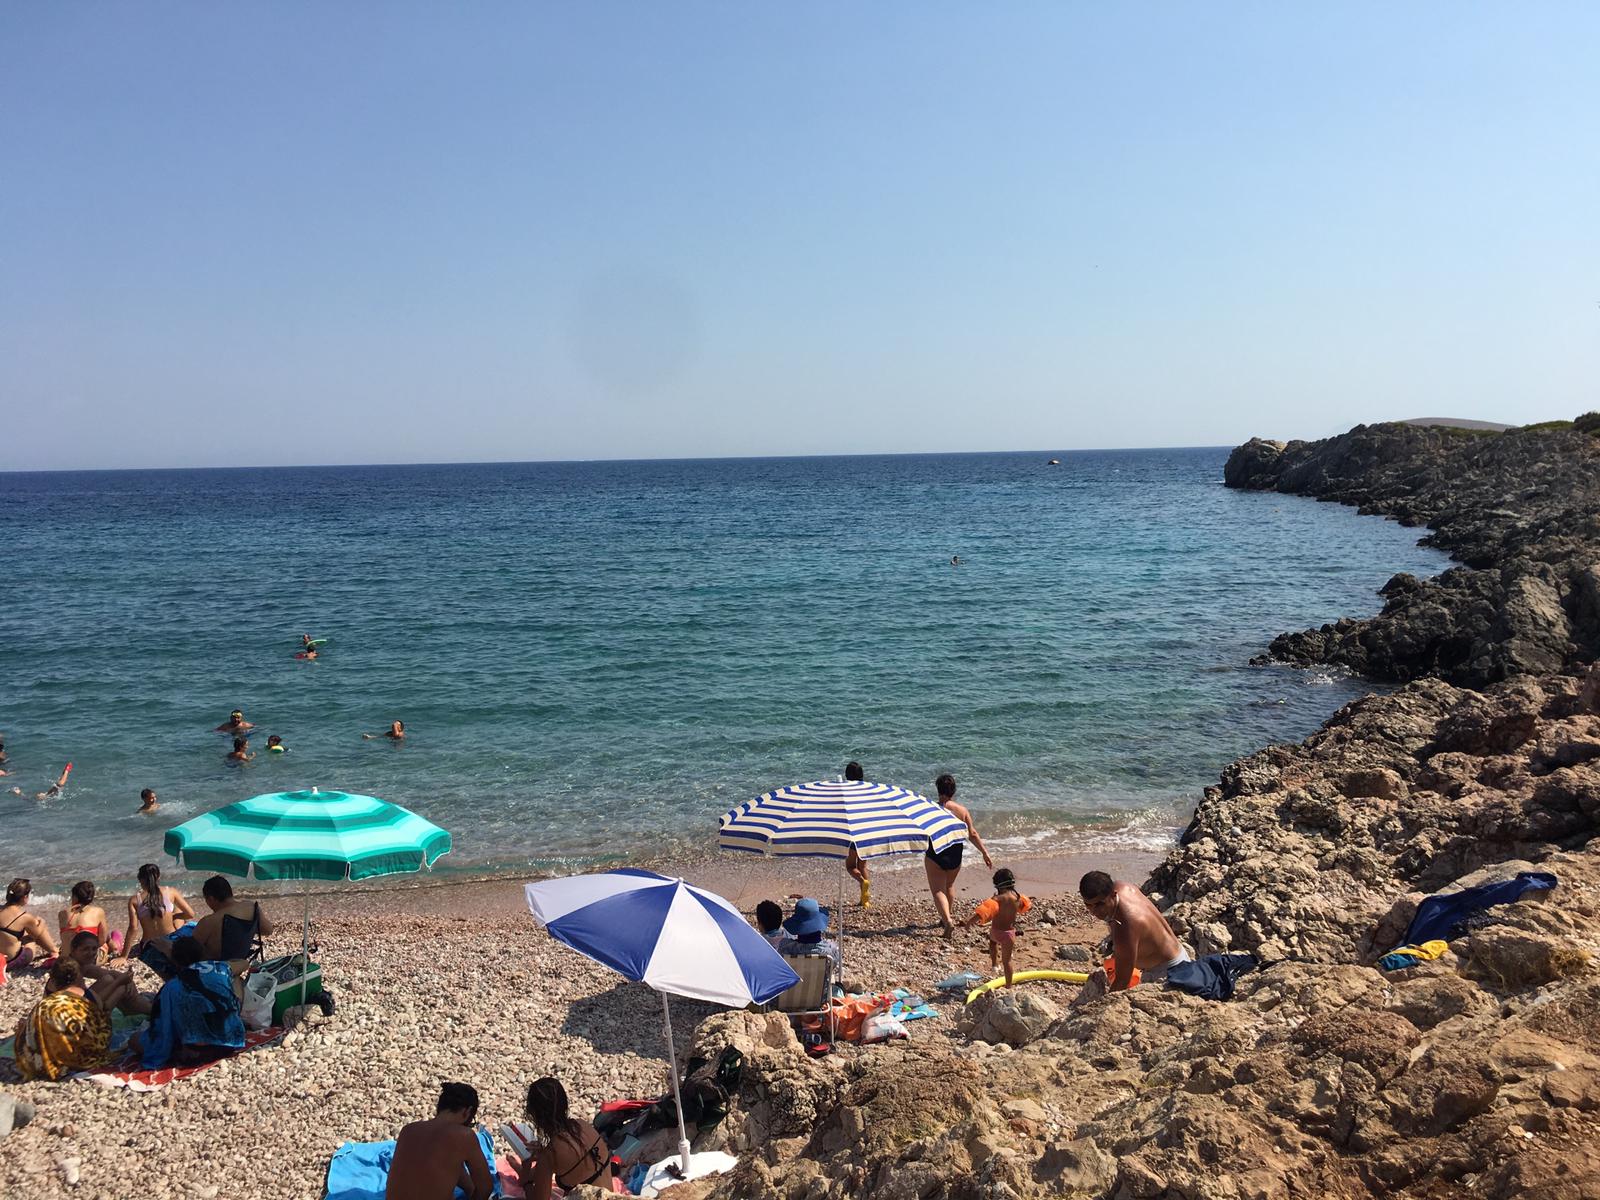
{"x": 1140, "y": 935}
{"x": 433, "y": 1157}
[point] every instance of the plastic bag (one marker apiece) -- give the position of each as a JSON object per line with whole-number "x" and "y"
{"x": 880, "y": 1027}
{"x": 256, "y": 1007}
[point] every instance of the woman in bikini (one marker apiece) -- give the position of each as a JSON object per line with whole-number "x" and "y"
{"x": 154, "y": 911}
{"x": 22, "y": 934}
{"x": 83, "y": 915}
{"x": 573, "y": 1153}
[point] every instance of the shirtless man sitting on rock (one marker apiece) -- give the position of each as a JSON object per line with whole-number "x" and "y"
{"x": 1140, "y": 935}
{"x": 433, "y": 1157}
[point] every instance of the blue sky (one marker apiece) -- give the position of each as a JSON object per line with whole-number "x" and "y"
{"x": 367, "y": 232}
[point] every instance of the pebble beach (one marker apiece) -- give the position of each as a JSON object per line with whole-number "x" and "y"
{"x": 479, "y": 995}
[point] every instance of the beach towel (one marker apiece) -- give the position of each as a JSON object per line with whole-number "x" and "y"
{"x": 1211, "y": 977}
{"x": 130, "y": 1075}
{"x": 60, "y": 1034}
{"x": 196, "y": 1007}
{"x": 908, "y": 1006}
{"x": 360, "y": 1170}
{"x": 1441, "y": 916}
{"x": 1410, "y": 956}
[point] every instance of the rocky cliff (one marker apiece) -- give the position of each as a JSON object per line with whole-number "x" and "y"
{"x": 1520, "y": 510}
{"x": 1476, "y": 1074}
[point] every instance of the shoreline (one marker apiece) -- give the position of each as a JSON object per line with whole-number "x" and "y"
{"x": 894, "y": 879}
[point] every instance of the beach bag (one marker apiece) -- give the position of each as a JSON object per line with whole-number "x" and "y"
{"x": 256, "y": 1007}
{"x": 880, "y": 1027}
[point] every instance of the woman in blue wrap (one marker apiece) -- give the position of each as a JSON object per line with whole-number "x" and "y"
{"x": 195, "y": 1010}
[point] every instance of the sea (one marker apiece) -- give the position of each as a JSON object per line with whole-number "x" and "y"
{"x": 595, "y": 660}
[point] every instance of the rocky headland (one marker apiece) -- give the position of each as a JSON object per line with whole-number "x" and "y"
{"x": 1519, "y": 510}
{"x": 1476, "y": 1074}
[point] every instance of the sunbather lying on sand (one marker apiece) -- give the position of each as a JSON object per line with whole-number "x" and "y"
{"x": 434, "y": 1157}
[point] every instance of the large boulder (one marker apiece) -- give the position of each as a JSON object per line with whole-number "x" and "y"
{"x": 1014, "y": 1016}
{"x": 781, "y": 1092}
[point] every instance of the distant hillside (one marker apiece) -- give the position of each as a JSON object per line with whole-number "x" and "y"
{"x": 1456, "y": 423}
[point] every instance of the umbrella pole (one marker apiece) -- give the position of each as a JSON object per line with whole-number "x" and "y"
{"x": 677, "y": 1098}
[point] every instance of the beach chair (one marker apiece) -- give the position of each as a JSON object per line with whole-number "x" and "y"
{"x": 241, "y": 940}
{"x": 813, "y": 995}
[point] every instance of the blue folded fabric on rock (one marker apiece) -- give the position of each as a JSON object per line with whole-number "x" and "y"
{"x": 360, "y": 1170}
{"x": 1211, "y": 976}
{"x": 1441, "y": 916}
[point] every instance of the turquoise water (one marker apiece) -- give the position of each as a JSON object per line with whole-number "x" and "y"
{"x": 597, "y": 659}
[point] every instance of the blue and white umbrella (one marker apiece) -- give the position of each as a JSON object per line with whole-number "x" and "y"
{"x": 825, "y": 818}
{"x": 662, "y": 932}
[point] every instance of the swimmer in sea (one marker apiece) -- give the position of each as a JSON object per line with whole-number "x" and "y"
{"x": 235, "y": 723}
{"x": 240, "y": 751}
{"x": 305, "y": 641}
{"x": 955, "y": 560}
{"x": 395, "y": 733}
{"x": 54, "y": 790}
{"x": 147, "y": 800}
{"x": 275, "y": 745}
{"x": 3, "y": 759}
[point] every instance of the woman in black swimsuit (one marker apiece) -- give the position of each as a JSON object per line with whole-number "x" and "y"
{"x": 573, "y": 1152}
{"x": 21, "y": 932}
{"x": 943, "y": 867}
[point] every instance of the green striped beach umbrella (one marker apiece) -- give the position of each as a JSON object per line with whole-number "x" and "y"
{"x": 308, "y": 835}
{"x": 312, "y": 835}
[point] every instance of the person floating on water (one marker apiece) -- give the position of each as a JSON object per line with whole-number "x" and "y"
{"x": 3, "y": 770}
{"x": 395, "y": 733}
{"x": 235, "y": 723}
{"x": 240, "y": 751}
{"x": 955, "y": 560}
{"x": 54, "y": 790}
{"x": 147, "y": 801}
{"x": 1001, "y": 912}
{"x": 275, "y": 745}
{"x": 853, "y": 862}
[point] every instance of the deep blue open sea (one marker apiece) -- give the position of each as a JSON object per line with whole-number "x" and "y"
{"x": 596, "y": 659}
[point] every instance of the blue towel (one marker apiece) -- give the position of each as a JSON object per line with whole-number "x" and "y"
{"x": 1441, "y": 916}
{"x": 360, "y": 1170}
{"x": 196, "y": 1007}
{"x": 1211, "y": 976}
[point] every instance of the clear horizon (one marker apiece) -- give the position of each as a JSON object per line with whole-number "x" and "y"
{"x": 394, "y": 234}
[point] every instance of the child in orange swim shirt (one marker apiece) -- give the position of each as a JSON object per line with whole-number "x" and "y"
{"x": 1000, "y": 912}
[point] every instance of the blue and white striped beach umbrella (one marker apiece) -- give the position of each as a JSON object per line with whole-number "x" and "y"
{"x": 824, "y": 819}
{"x": 661, "y": 931}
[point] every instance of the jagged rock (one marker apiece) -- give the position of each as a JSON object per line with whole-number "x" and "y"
{"x": 781, "y": 1090}
{"x": 1517, "y": 508}
{"x": 1510, "y": 959}
{"x": 1013, "y": 1016}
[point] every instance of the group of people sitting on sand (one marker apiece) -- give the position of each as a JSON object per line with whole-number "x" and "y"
{"x": 200, "y": 962}
{"x": 434, "y": 1157}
